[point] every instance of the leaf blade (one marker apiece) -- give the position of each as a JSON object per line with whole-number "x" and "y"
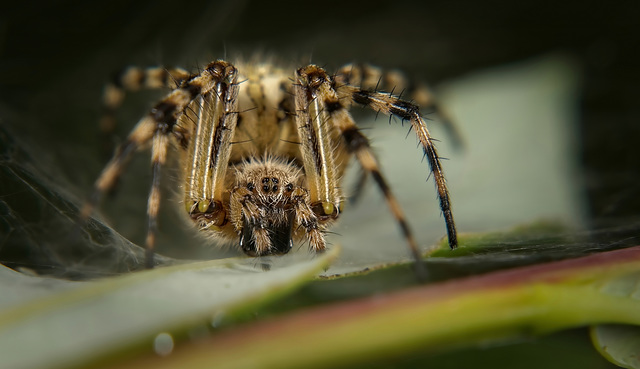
{"x": 501, "y": 305}
{"x": 134, "y": 308}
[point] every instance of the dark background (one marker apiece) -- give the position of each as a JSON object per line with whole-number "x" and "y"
{"x": 56, "y": 56}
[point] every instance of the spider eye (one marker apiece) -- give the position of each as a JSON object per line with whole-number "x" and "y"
{"x": 289, "y": 187}
{"x": 250, "y": 186}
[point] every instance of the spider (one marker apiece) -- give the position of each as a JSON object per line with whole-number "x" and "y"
{"x": 263, "y": 151}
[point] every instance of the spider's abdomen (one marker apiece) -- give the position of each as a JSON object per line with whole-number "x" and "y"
{"x": 265, "y": 122}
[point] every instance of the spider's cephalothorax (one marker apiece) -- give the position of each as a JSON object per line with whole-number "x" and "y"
{"x": 263, "y": 151}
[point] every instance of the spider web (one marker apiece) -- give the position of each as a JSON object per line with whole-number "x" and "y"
{"x": 39, "y": 224}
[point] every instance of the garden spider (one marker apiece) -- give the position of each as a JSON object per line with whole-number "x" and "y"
{"x": 263, "y": 152}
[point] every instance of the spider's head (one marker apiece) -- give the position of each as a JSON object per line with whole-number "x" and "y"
{"x": 263, "y": 209}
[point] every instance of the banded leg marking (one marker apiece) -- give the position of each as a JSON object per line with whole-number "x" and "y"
{"x": 371, "y": 78}
{"x": 157, "y": 125}
{"x": 391, "y": 105}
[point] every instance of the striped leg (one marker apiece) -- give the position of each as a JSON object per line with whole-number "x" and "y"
{"x": 133, "y": 79}
{"x": 160, "y": 144}
{"x": 391, "y": 105}
{"x": 158, "y": 126}
{"x": 310, "y": 91}
{"x": 371, "y": 78}
{"x": 317, "y": 90}
{"x": 358, "y": 144}
{"x": 336, "y": 96}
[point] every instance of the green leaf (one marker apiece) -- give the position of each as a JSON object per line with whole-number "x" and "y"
{"x": 498, "y": 306}
{"x": 535, "y": 235}
{"x": 618, "y": 343}
{"x": 73, "y": 323}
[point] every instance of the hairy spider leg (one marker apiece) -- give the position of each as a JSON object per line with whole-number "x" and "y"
{"x": 133, "y": 79}
{"x": 394, "y": 82}
{"x": 157, "y": 126}
{"x": 374, "y": 79}
{"x": 391, "y": 105}
{"x": 318, "y": 88}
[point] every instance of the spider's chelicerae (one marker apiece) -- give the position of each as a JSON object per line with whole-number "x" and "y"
{"x": 263, "y": 150}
